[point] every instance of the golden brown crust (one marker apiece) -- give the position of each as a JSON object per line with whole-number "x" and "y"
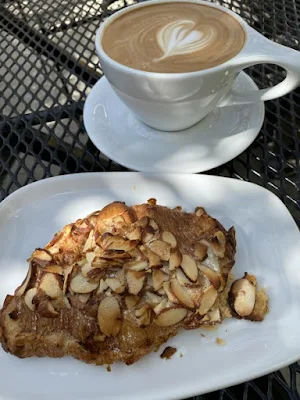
{"x": 116, "y": 285}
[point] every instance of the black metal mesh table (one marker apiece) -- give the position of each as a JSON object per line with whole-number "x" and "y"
{"x": 48, "y": 66}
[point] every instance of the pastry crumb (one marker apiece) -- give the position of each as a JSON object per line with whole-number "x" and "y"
{"x": 168, "y": 352}
{"x": 108, "y": 368}
{"x": 201, "y": 334}
{"x": 181, "y": 355}
{"x": 220, "y": 342}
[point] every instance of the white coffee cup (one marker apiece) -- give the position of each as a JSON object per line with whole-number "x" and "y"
{"x": 176, "y": 101}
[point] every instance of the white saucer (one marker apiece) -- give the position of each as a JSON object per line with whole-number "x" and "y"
{"x": 217, "y": 139}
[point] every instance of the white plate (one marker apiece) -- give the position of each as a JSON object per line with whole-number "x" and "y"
{"x": 268, "y": 246}
{"x": 222, "y": 135}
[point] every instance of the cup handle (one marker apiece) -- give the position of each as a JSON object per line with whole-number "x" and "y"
{"x": 269, "y": 53}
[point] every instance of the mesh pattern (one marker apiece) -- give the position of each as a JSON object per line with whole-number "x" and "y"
{"x": 48, "y": 66}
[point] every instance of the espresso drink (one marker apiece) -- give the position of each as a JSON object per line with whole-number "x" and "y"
{"x": 173, "y": 37}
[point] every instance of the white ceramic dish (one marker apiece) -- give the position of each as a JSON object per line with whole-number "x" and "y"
{"x": 268, "y": 246}
{"x": 218, "y": 138}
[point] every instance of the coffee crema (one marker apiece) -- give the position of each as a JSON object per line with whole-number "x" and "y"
{"x": 173, "y": 37}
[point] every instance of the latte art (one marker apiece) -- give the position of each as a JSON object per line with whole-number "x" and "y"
{"x": 180, "y": 37}
{"x": 173, "y": 37}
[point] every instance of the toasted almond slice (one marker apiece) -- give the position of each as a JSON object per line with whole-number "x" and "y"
{"x": 211, "y": 275}
{"x": 161, "y": 306}
{"x": 135, "y": 234}
{"x": 159, "y": 278}
{"x": 149, "y": 283}
{"x": 102, "y": 286}
{"x": 208, "y": 299}
{"x": 109, "y": 316}
{"x": 200, "y": 251}
{"x": 243, "y": 293}
{"x": 52, "y": 285}
{"x": 154, "y": 259}
{"x": 84, "y": 298}
{"x": 161, "y": 291}
{"x": 118, "y": 220}
{"x": 214, "y": 315}
{"x": 119, "y": 243}
{"x": 162, "y": 249}
{"x": 153, "y": 224}
{"x": 169, "y": 293}
{"x": 142, "y": 222}
{"x": 168, "y": 237}
{"x": 29, "y": 295}
{"x": 218, "y": 244}
{"x": 90, "y": 242}
{"x": 189, "y": 267}
{"x": 181, "y": 293}
{"x": 148, "y": 234}
{"x": 115, "y": 285}
{"x": 67, "y": 273}
{"x": 21, "y": 289}
{"x": 144, "y": 315}
{"x": 152, "y": 299}
{"x": 41, "y": 256}
{"x": 200, "y": 211}
{"x": 85, "y": 269}
{"x": 90, "y": 256}
{"x": 135, "y": 281}
{"x": 175, "y": 260}
{"x": 136, "y": 265}
{"x": 46, "y": 309}
{"x": 80, "y": 284}
{"x": 120, "y": 274}
{"x": 131, "y": 301}
{"x": 182, "y": 278}
{"x": 54, "y": 269}
{"x": 170, "y": 316}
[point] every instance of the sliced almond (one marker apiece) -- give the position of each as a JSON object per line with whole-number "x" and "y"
{"x": 243, "y": 295}
{"x": 29, "y": 295}
{"x": 102, "y": 286}
{"x": 169, "y": 293}
{"x": 153, "y": 224}
{"x": 90, "y": 242}
{"x": 162, "y": 249}
{"x": 67, "y": 274}
{"x": 200, "y": 211}
{"x": 115, "y": 285}
{"x": 135, "y": 281}
{"x": 80, "y": 284}
{"x": 52, "y": 285}
{"x": 84, "y": 298}
{"x": 148, "y": 234}
{"x": 161, "y": 306}
{"x": 218, "y": 244}
{"x": 170, "y": 316}
{"x": 211, "y": 275}
{"x": 118, "y": 220}
{"x": 200, "y": 251}
{"x": 144, "y": 315}
{"x": 142, "y": 222}
{"x": 175, "y": 260}
{"x": 21, "y": 289}
{"x": 109, "y": 316}
{"x": 135, "y": 234}
{"x": 90, "y": 256}
{"x": 159, "y": 278}
{"x": 54, "y": 269}
{"x": 208, "y": 299}
{"x": 189, "y": 267}
{"x": 152, "y": 299}
{"x": 181, "y": 293}
{"x": 168, "y": 237}
{"x": 41, "y": 256}
{"x": 154, "y": 259}
{"x": 136, "y": 265}
{"x": 46, "y": 309}
{"x": 85, "y": 269}
{"x": 214, "y": 315}
{"x": 131, "y": 301}
{"x": 182, "y": 278}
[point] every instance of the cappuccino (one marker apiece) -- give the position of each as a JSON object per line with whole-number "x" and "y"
{"x": 173, "y": 37}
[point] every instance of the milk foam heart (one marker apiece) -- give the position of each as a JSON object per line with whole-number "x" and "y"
{"x": 173, "y": 37}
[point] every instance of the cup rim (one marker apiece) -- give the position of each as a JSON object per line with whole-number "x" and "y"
{"x": 102, "y": 54}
